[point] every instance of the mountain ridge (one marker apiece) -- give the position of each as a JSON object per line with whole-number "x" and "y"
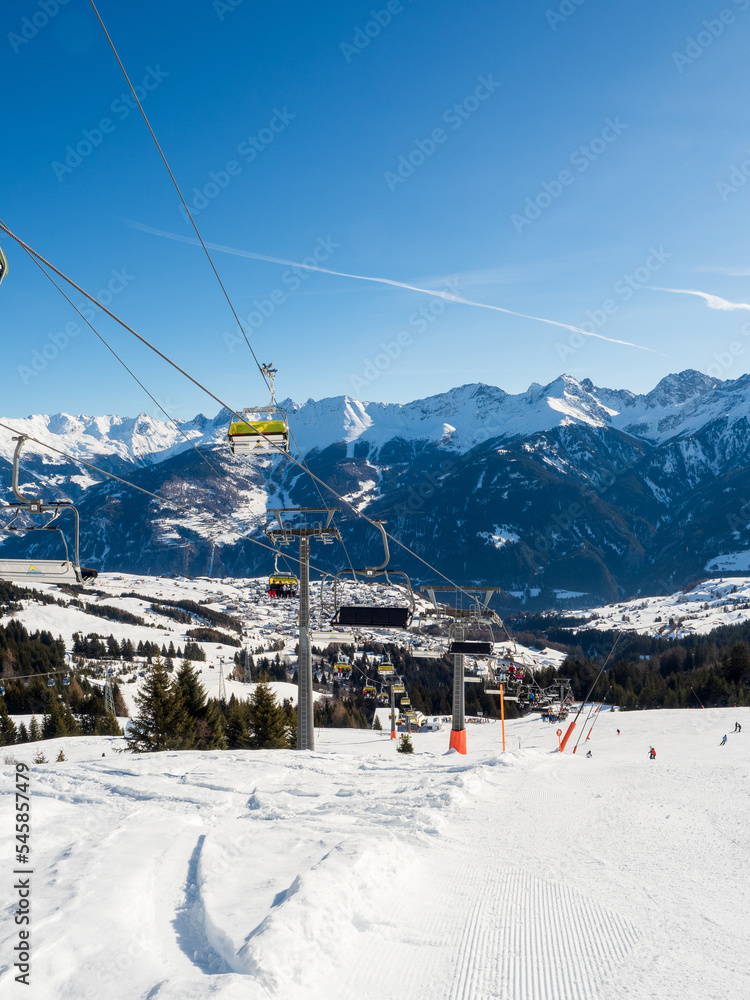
{"x": 565, "y": 487}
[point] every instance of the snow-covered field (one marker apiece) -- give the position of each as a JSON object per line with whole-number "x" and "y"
{"x": 707, "y": 606}
{"x": 356, "y": 872}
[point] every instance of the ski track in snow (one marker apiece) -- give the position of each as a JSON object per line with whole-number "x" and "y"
{"x": 354, "y": 872}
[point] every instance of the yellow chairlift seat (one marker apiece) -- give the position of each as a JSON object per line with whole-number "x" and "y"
{"x": 258, "y": 436}
{"x": 399, "y": 689}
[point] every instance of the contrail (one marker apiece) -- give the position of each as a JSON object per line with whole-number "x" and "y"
{"x": 712, "y": 301}
{"x": 449, "y": 296}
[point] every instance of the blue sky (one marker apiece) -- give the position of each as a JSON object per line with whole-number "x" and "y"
{"x": 558, "y": 160}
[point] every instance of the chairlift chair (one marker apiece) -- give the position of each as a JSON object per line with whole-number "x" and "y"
{"x": 263, "y": 430}
{"x": 3, "y": 264}
{"x": 2, "y": 690}
{"x": 50, "y": 682}
{"x": 281, "y": 584}
{"x": 399, "y": 688}
{"x": 42, "y": 570}
{"x": 374, "y": 616}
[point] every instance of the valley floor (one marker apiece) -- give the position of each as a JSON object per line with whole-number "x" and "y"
{"x": 356, "y": 872}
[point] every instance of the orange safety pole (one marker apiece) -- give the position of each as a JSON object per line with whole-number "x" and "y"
{"x": 502, "y": 714}
{"x": 567, "y": 735}
{"x": 559, "y": 734}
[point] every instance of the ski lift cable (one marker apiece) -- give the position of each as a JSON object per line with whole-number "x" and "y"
{"x": 256, "y": 518}
{"x": 220, "y": 401}
{"x": 140, "y": 489}
{"x": 596, "y": 680}
{"x": 317, "y": 489}
{"x": 179, "y": 192}
{"x": 124, "y": 365}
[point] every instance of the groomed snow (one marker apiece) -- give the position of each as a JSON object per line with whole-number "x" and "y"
{"x": 354, "y": 872}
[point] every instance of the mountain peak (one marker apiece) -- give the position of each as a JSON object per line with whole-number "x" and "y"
{"x": 681, "y": 386}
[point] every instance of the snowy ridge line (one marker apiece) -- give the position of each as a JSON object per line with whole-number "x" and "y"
{"x": 680, "y": 405}
{"x": 708, "y": 606}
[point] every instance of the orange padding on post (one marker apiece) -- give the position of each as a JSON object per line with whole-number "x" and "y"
{"x": 458, "y": 740}
{"x": 566, "y": 737}
{"x": 393, "y": 734}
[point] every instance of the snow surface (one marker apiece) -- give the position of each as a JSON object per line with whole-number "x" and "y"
{"x": 354, "y": 872}
{"x": 709, "y": 605}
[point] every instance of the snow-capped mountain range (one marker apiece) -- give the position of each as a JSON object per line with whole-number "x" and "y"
{"x": 565, "y": 487}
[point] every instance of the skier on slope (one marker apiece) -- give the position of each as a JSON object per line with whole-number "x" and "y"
{"x": 723, "y": 741}
{"x": 651, "y": 753}
{"x": 737, "y": 727}
{"x": 589, "y": 754}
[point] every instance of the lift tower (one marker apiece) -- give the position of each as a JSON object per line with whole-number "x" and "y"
{"x": 299, "y": 522}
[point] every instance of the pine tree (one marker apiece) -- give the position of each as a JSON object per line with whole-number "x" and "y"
{"x": 39, "y": 757}
{"x": 35, "y": 732}
{"x": 107, "y": 725}
{"x": 209, "y": 730}
{"x": 268, "y": 721}
{"x": 55, "y": 724}
{"x": 162, "y": 722}
{"x": 60, "y": 757}
{"x": 237, "y": 724}
{"x": 8, "y": 732}
{"x": 404, "y": 744}
{"x": 23, "y": 733}
{"x": 377, "y": 724}
{"x": 193, "y": 693}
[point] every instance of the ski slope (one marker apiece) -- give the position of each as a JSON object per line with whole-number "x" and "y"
{"x": 354, "y": 872}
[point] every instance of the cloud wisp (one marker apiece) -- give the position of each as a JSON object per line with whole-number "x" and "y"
{"x": 437, "y": 293}
{"x": 712, "y": 301}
